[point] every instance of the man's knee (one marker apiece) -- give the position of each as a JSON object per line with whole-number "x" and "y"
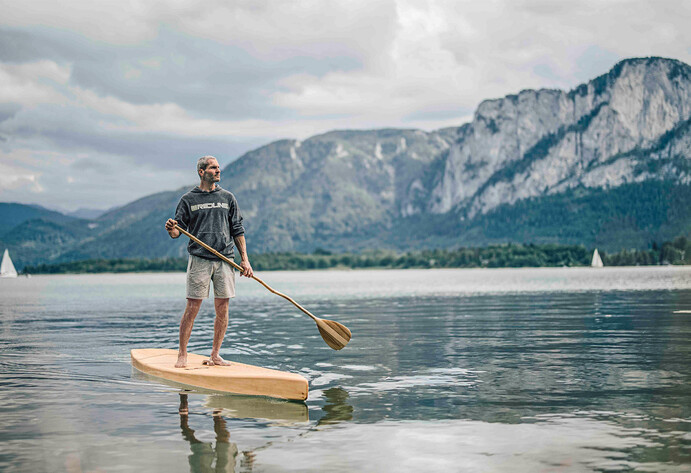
{"x": 193, "y": 306}
{"x": 221, "y": 306}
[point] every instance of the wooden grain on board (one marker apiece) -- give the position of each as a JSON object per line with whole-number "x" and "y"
{"x": 238, "y": 378}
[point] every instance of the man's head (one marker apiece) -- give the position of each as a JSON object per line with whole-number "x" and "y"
{"x": 208, "y": 169}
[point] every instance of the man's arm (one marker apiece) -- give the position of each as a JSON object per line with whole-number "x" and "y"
{"x": 245, "y": 261}
{"x": 170, "y": 228}
{"x": 182, "y": 218}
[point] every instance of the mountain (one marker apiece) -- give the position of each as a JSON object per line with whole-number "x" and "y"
{"x": 12, "y": 215}
{"x": 629, "y": 125}
{"x": 340, "y": 189}
{"x": 34, "y": 233}
{"x": 625, "y": 133}
{"x": 86, "y": 213}
{"x": 134, "y": 230}
{"x": 607, "y": 163}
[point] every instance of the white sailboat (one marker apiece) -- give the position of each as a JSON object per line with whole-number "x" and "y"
{"x": 597, "y": 261}
{"x": 6, "y": 267}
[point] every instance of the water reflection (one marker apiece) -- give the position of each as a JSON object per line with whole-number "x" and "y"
{"x": 255, "y": 407}
{"x": 206, "y": 457}
{"x": 577, "y": 379}
{"x": 224, "y": 455}
{"x": 336, "y": 408}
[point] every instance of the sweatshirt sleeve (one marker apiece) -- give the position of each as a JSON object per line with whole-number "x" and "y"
{"x": 235, "y": 219}
{"x": 182, "y": 214}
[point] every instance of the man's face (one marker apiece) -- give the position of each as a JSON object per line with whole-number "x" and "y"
{"x": 212, "y": 173}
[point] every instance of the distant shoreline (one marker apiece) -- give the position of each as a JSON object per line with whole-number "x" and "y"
{"x": 335, "y": 269}
{"x": 495, "y": 256}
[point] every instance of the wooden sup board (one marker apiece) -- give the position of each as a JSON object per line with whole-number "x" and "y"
{"x": 237, "y": 378}
{"x": 682, "y": 311}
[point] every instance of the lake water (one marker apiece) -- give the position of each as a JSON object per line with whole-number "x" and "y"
{"x": 483, "y": 370}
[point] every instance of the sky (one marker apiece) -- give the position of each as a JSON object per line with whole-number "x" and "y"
{"x": 104, "y": 102}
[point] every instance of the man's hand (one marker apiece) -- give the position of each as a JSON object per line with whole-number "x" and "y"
{"x": 170, "y": 228}
{"x": 244, "y": 259}
{"x": 246, "y": 268}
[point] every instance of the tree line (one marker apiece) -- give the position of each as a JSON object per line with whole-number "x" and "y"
{"x": 508, "y": 255}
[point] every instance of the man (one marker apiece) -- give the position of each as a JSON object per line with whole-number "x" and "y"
{"x": 212, "y": 215}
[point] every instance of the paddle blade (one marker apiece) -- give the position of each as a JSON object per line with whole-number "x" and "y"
{"x": 334, "y": 334}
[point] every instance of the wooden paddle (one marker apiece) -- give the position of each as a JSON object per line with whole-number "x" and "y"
{"x": 334, "y": 334}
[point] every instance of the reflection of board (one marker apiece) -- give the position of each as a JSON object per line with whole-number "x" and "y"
{"x": 682, "y": 311}
{"x": 237, "y": 378}
{"x": 246, "y": 407}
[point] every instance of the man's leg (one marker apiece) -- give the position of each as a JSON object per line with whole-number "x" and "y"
{"x": 186, "y": 324}
{"x": 220, "y": 326}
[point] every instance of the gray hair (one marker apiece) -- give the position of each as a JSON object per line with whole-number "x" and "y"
{"x": 203, "y": 162}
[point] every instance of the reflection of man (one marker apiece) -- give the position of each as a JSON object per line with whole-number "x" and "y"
{"x": 203, "y": 453}
{"x": 336, "y": 408}
{"x": 212, "y": 215}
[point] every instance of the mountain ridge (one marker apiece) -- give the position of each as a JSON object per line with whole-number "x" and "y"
{"x": 565, "y": 125}
{"x": 610, "y": 138}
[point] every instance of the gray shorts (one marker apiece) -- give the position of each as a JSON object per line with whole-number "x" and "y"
{"x": 200, "y": 273}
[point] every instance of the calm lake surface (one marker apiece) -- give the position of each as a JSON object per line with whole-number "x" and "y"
{"x": 483, "y": 370}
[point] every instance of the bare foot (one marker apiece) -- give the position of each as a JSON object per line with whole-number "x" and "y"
{"x": 218, "y": 361}
{"x": 182, "y": 361}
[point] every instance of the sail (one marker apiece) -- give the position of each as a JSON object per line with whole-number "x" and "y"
{"x": 7, "y": 268}
{"x": 597, "y": 261}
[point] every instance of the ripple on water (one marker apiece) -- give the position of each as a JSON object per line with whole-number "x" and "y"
{"x": 433, "y": 378}
{"x": 556, "y": 443}
{"x": 505, "y": 371}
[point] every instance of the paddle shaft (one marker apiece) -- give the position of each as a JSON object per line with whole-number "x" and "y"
{"x": 239, "y": 268}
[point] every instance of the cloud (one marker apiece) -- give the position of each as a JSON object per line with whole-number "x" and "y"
{"x": 418, "y": 76}
{"x": 111, "y": 21}
{"x": 12, "y": 179}
{"x": 33, "y": 83}
{"x": 82, "y": 180}
{"x": 79, "y": 154}
{"x": 144, "y": 87}
{"x": 17, "y": 171}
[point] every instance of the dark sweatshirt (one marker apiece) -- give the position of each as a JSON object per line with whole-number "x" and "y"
{"x": 213, "y": 217}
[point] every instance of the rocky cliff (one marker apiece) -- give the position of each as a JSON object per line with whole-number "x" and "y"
{"x": 629, "y": 125}
{"x": 340, "y": 186}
